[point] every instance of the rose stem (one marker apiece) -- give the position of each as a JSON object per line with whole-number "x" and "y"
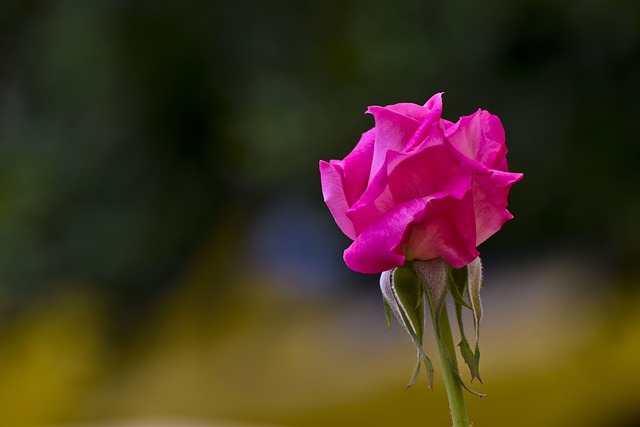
{"x": 452, "y": 384}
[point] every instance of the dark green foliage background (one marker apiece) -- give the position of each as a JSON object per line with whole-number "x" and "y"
{"x": 128, "y": 129}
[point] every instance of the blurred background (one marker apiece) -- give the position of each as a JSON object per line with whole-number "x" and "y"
{"x": 166, "y": 257}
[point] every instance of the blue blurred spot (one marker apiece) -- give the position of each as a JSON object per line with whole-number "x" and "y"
{"x": 298, "y": 247}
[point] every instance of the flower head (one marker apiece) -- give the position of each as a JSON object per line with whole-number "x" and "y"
{"x": 418, "y": 187}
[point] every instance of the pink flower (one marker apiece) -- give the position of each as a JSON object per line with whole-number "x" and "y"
{"x": 418, "y": 187}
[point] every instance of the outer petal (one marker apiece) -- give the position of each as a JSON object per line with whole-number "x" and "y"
{"x": 490, "y": 202}
{"x": 490, "y": 186}
{"x": 356, "y": 167}
{"x": 447, "y": 229}
{"x": 424, "y": 228}
{"x": 331, "y": 177}
{"x": 380, "y": 246}
{"x": 344, "y": 181}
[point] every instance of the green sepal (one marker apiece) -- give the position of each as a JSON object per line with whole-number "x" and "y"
{"x": 387, "y": 312}
{"x": 410, "y": 297}
{"x": 459, "y": 278}
{"x": 415, "y": 375}
{"x": 403, "y": 296}
{"x": 451, "y": 359}
{"x": 471, "y": 358}
{"x": 433, "y": 275}
{"x": 475, "y": 284}
{"x": 438, "y": 278}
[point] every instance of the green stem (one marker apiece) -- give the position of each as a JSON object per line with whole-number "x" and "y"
{"x": 452, "y": 383}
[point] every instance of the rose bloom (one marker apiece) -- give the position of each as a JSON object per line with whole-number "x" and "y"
{"x": 418, "y": 187}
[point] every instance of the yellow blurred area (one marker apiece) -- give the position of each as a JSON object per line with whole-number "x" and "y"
{"x": 256, "y": 356}
{"x": 49, "y": 360}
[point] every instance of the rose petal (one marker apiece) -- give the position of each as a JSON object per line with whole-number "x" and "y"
{"x": 344, "y": 181}
{"x": 447, "y": 229}
{"x": 406, "y": 176}
{"x": 426, "y": 129}
{"x": 408, "y": 109}
{"x": 331, "y": 179}
{"x": 426, "y": 171}
{"x": 424, "y": 228}
{"x": 377, "y": 199}
{"x": 393, "y": 131}
{"x": 480, "y": 137}
{"x": 490, "y": 200}
{"x": 435, "y": 103}
{"x": 356, "y": 167}
{"x": 379, "y": 247}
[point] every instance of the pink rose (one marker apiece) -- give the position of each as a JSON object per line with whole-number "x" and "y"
{"x": 418, "y": 187}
